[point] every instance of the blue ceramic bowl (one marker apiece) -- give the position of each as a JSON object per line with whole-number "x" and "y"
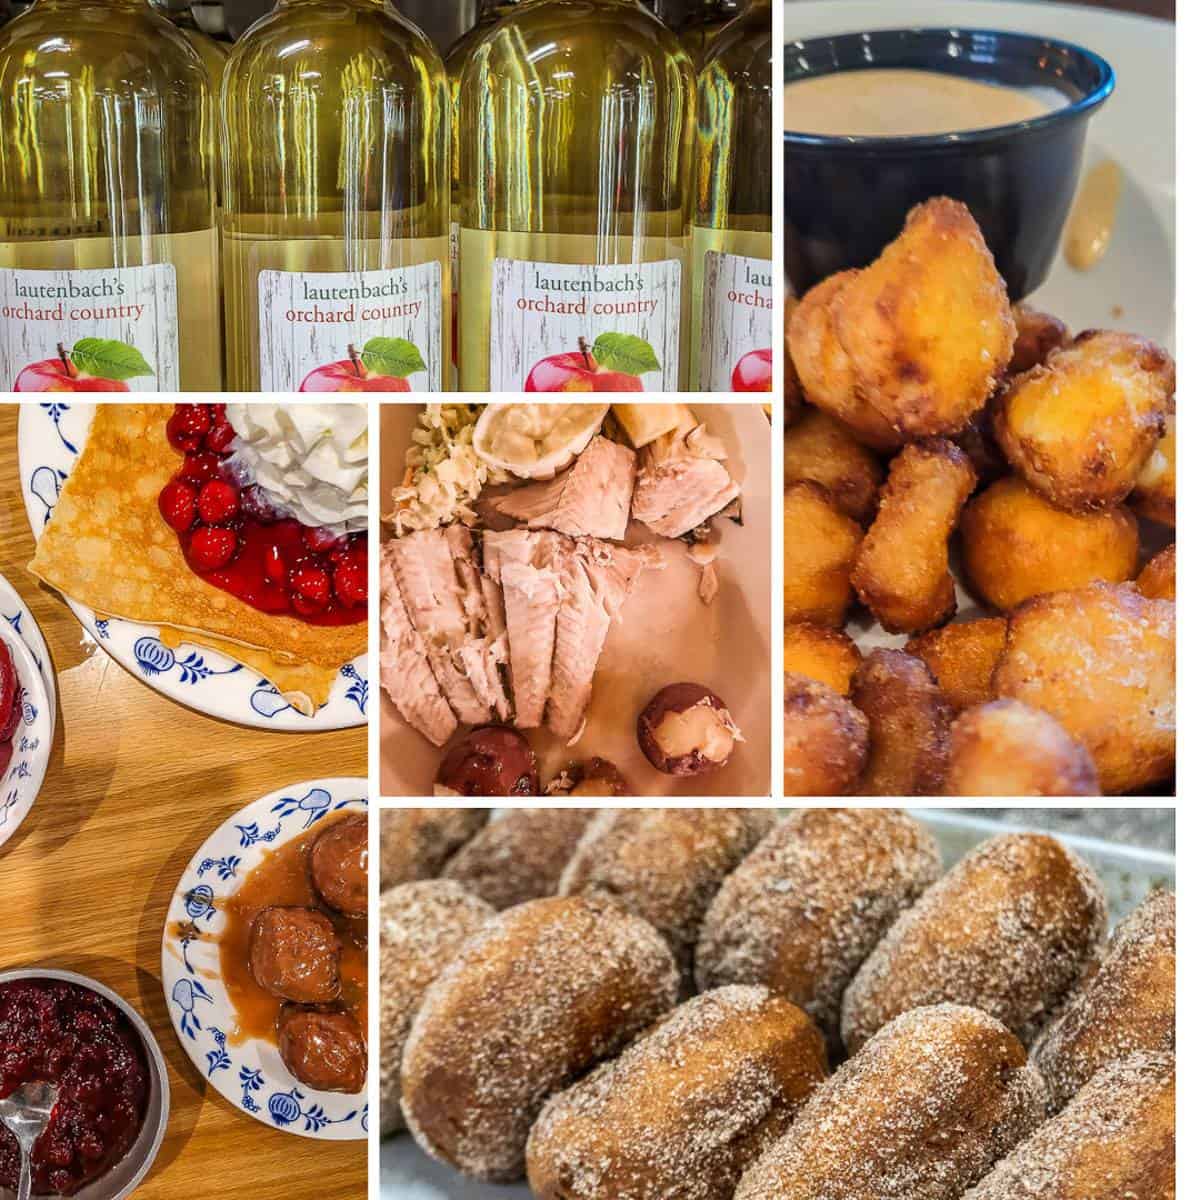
{"x": 845, "y": 198}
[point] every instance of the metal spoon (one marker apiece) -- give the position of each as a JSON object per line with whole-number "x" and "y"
{"x": 26, "y": 1112}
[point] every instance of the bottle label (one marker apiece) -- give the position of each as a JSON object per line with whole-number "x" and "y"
{"x": 735, "y": 330}
{"x": 322, "y": 331}
{"x": 453, "y": 381}
{"x": 119, "y": 325}
{"x": 555, "y": 326}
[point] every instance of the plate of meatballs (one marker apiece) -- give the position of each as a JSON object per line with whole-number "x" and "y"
{"x": 265, "y": 959}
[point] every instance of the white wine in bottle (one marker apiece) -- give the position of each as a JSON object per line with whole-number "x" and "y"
{"x": 490, "y": 12}
{"x": 108, "y": 247}
{"x": 731, "y": 230}
{"x": 335, "y": 141}
{"x": 705, "y": 19}
{"x": 575, "y": 152}
{"x": 212, "y": 53}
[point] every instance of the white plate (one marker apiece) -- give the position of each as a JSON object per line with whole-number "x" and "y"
{"x": 251, "y": 1076}
{"x": 1133, "y": 287}
{"x": 50, "y": 438}
{"x": 32, "y": 739}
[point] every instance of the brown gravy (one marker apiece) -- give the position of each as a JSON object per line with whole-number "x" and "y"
{"x": 282, "y": 878}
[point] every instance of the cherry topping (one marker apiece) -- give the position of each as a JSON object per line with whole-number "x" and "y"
{"x": 320, "y": 540}
{"x": 220, "y": 437}
{"x": 218, "y": 501}
{"x": 199, "y": 468}
{"x": 274, "y": 567}
{"x": 211, "y": 547}
{"x": 309, "y": 582}
{"x": 177, "y": 503}
{"x": 350, "y": 580}
{"x": 187, "y": 426}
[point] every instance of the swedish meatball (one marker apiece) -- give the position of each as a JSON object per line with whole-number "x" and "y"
{"x": 295, "y": 954}
{"x": 338, "y": 865}
{"x": 323, "y": 1049}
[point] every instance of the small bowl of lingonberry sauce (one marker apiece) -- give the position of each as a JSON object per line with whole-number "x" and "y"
{"x": 113, "y": 1096}
{"x": 234, "y": 537}
{"x": 26, "y": 730}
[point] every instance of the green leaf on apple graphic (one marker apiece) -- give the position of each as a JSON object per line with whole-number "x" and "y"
{"x": 392, "y": 356}
{"x": 103, "y": 358}
{"x": 625, "y": 352}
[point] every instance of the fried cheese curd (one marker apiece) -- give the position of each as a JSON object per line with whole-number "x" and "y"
{"x": 1153, "y": 495}
{"x": 826, "y": 655}
{"x": 1081, "y": 427}
{"x": 1038, "y": 334}
{"x": 909, "y": 721}
{"x": 1015, "y": 545}
{"x": 962, "y": 658}
{"x": 902, "y": 570}
{"x": 819, "y": 448}
{"x": 824, "y": 740}
{"x": 1101, "y": 661}
{"x": 1006, "y": 748}
{"x": 820, "y": 543}
{"x": 913, "y": 345}
{"x": 1157, "y": 580}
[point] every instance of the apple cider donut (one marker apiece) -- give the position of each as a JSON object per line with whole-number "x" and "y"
{"x": 665, "y": 865}
{"x": 1114, "y": 1141}
{"x": 1010, "y": 930}
{"x": 520, "y": 855}
{"x": 684, "y": 1110}
{"x": 921, "y": 1113}
{"x": 1126, "y": 1005}
{"x": 421, "y": 928}
{"x": 810, "y": 903}
{"x": 542, "y": 994}
{"x": 416, "y": 842}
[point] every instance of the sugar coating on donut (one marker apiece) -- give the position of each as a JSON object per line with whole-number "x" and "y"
{"x": 421, "y": 928}
{"x": 665, "y": 865}
{"x": 1114, "y": 1141}
{"x": 920, "y": 1113}
{"x": 540, "y": 995}
{"x": 684, "y": 1110}
{"x": 520, "y": 855}
{"x": 414, "y": 843}
{"x": 1010, "y": 930}
{"x": 811, "y": 901}
{"x": 1126, "y": 1005}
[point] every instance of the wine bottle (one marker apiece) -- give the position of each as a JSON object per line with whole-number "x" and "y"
{"x": 704, "y": 20}
{"x": 108, "y": 242}
{"x": 212, "y": 53}
{"x": 490, "y": 12}
{"x": 335, "y": 147}
{"x": 731, "y": 229}
{"x": 576, "y": 125}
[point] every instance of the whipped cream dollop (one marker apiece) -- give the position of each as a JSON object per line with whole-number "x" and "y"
{"x": 310, "y": 460}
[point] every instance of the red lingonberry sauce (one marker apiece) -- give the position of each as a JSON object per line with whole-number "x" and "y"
{"x": 68, "y": 1035}
{"x": 277, "y": 565}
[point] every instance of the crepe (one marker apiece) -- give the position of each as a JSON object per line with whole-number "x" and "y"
{"x": 108, "y": 547}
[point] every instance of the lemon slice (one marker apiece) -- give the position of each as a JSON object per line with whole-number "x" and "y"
{"x": 535, "y": 441}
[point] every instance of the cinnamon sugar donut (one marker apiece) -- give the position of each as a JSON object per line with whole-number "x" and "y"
{"x": 1114, "y": 1141}
{"x": 811, "y": 901}
{"x": 414, "y": 843}
{"x": 520, "y": 855}
{"x": 1126, "y": 1005}
{"x": 1011, "y": 930}
{"x": 421, "y": 928}
{"x": 541, "y": 994}
{"x": 664, "y": 864}
{"x": 684, "y": 1110}
{"x": 921, "y": 1113}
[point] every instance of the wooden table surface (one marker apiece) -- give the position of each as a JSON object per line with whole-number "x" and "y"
{"x": 136, "y": 783}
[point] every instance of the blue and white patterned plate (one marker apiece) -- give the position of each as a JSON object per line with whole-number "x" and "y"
{"x": 32, "y": 740}
{"x": 251, "y": 1076}
{"x": 50, "y": 438}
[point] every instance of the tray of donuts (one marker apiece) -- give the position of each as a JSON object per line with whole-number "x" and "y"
{"x": 739, "y": 1004}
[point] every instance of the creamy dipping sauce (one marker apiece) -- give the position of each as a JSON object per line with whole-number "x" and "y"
{"x": 887, "y": 102}
{"x": 1093, "y": 215}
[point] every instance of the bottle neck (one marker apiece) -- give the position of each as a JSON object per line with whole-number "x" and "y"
{"x": 119, "y": 5}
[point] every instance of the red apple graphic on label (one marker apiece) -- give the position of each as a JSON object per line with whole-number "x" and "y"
{"x": 92, "y": 365}
{"x": 612, "y": 364}
{"x": 753, "y": 372}
{"x": 383, "y": 366}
